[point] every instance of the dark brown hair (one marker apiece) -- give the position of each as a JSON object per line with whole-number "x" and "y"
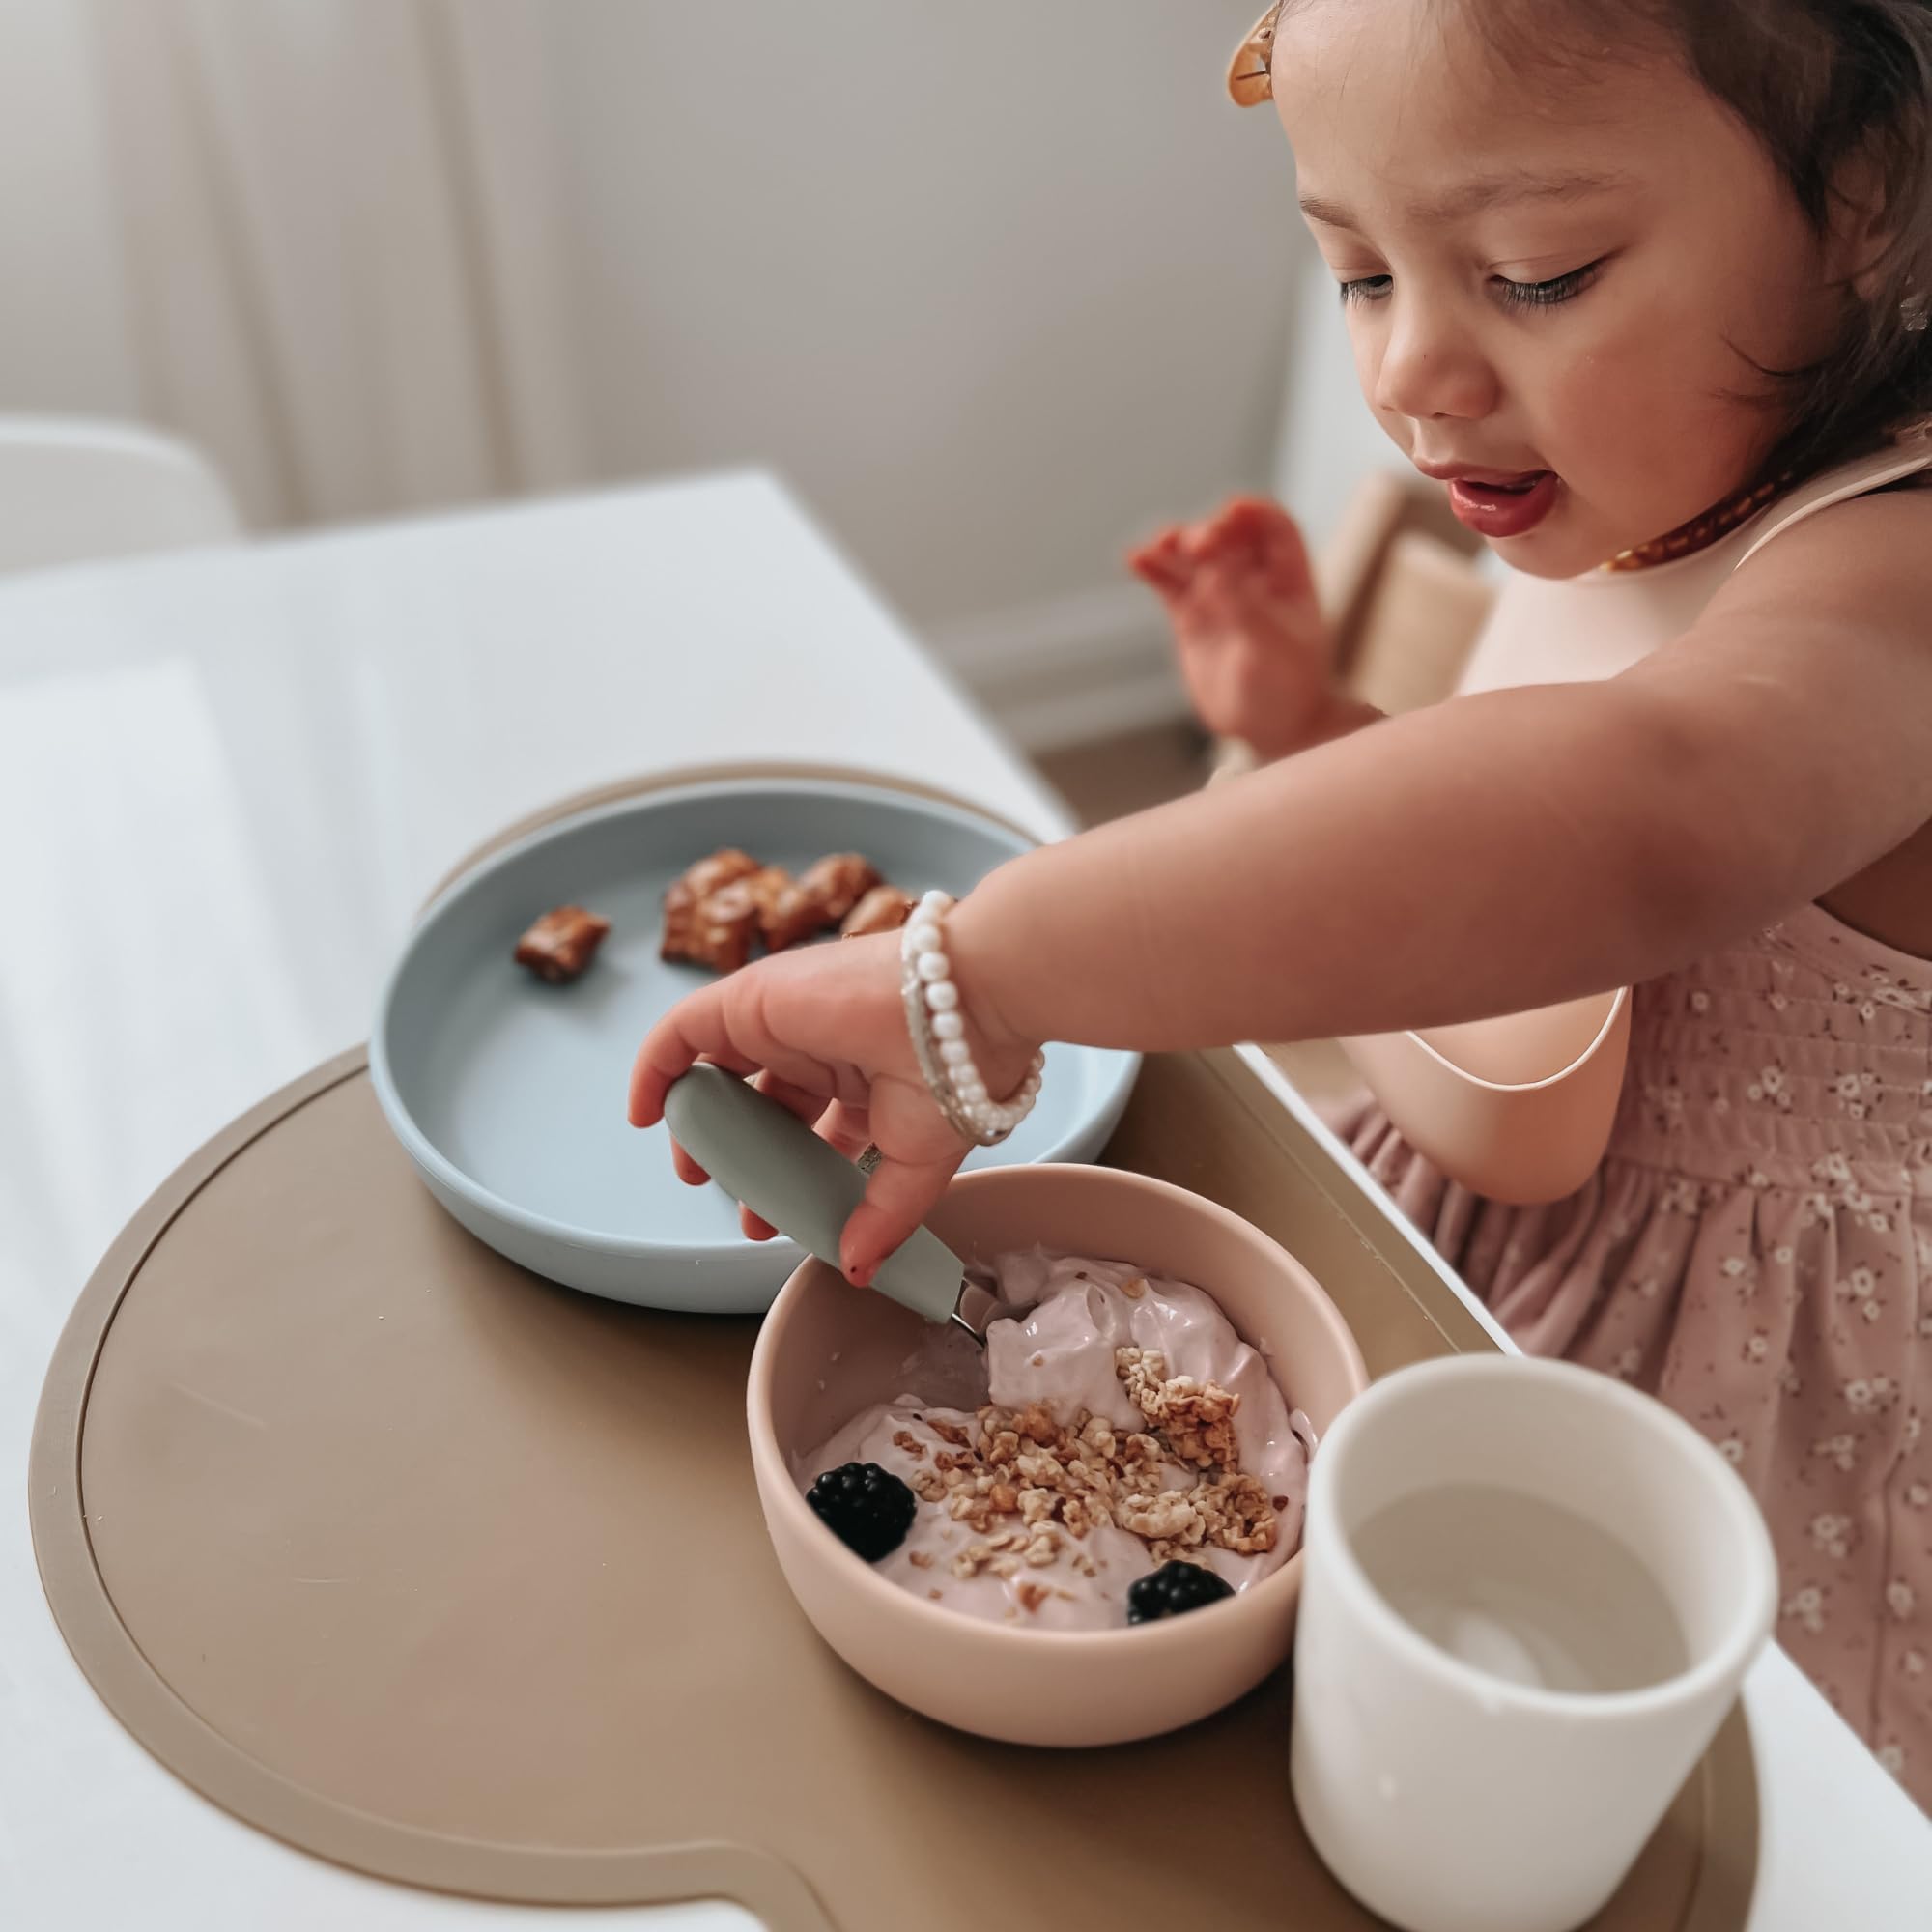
{"x": 1834, "y": 90}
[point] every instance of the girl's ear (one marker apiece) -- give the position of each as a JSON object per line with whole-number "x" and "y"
{"x": 1861, "y": 230}
{"x": 1249, "y": 80}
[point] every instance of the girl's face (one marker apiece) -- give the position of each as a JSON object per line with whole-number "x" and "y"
{"x": 1556, "y": 286}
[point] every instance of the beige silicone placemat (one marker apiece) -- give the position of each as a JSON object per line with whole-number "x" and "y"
{"x": 326, "y": 1498}
{"x": 456, "y": 1578}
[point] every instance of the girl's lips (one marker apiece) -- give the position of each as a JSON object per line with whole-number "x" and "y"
{"x": 1498, "y": 510}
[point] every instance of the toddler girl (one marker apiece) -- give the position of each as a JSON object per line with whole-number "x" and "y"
{"x": 1643, "y": 284}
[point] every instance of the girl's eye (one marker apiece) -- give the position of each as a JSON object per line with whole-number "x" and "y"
{"x": 1366, "y": 288}
{"x": 1546, "y": 295}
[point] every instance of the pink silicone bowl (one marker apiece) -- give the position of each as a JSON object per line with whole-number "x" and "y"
{"x": 828, "y": 1350}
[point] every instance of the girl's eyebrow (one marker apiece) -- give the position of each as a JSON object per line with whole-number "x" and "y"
{"x": 1479, "y": 194}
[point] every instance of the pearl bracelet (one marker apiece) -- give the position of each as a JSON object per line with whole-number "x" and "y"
{"x": 938, "y": 1030}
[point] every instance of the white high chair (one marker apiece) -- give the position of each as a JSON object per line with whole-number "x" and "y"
{"x": 73, "y": 490}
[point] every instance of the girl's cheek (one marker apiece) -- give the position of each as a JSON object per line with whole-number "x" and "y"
{"x": 1582, "y": 398}
{"x": 1598, "y": 382}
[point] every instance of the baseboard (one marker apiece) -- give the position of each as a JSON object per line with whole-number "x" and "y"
{"x": 1070, "y": 669}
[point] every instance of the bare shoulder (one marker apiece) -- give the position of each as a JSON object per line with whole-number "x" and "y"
{"x": 1829, "y": 625}
{"x": 1866, "y": 563}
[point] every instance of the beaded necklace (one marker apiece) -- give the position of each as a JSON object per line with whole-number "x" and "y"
{"x": 1701, "y": 532}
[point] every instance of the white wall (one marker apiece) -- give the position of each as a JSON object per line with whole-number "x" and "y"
{"x": 997, "y": 285}
{"x": 62, "y": 343}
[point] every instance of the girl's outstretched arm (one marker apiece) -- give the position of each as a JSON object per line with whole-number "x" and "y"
{"x": 1506, "y": 851}
{"x": 1489, "y": 855}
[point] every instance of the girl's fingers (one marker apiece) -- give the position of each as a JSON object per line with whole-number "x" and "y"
{"x": 1269, "y": 540}
{"x": 1158, "y": 563}
{"x": 847, "y": 1128}
{"x": 1229, "y": 531}
{"x": 694, "y": 1029}
{"x": 1253, "y": 535}
{"x": 899, "y": 1197}
{"x": 1289, "y": 574}
{"x": 1198, "y": 545}
{"x": 662, "y": 1058}
{"x": 792, "y": 1097}
{"x": 1217, "y": 598}
{"x": 1252, "y": 521}
{"x": 843, "y": 1127}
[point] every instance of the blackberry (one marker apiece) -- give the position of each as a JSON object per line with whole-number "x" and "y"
{"x": 866, "y": 1507}
{"x": 1171, "y": 1590}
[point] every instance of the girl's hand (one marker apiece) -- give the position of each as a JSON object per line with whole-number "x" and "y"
{"x": 824, "y": 1029}
{"x": 1255, "y": 649}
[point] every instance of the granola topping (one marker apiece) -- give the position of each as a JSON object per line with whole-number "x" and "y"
{"x": 1118, "y": 1447}
{"x": 1045, "y": 1497}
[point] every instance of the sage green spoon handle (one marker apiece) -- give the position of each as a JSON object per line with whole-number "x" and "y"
{"x": 765, "y": 1158}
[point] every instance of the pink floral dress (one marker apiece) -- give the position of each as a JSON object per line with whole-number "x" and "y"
{"x": 1756, "y": 1248}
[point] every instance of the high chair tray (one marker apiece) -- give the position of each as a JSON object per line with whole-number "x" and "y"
{"x": 459, "y": 1579}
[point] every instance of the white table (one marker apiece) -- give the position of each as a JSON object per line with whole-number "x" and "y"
{"x": 227, "y": 781}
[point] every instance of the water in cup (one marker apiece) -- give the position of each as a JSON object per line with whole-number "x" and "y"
{"x": 1523, "y": 1590}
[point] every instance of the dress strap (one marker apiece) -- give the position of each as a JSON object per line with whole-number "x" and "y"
{"x": 1910, "y": 454}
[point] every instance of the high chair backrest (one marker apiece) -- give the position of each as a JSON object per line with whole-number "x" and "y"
{"x": 1401, "y": 588}
{"x": 72, "y": 490}
{"x": 1419, "y": 620}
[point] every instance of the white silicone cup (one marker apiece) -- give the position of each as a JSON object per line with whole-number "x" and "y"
{"x": 1448, "y": 1800}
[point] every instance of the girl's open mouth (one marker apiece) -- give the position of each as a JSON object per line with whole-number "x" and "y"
{"x": 1507, "y": 507}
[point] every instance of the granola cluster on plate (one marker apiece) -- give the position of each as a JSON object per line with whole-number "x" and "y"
{"x": 727, "y": 903}
{"x": 718, "y": 909}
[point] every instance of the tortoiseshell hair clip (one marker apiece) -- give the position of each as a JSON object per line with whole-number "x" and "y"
{"x": 1249, "y": 80}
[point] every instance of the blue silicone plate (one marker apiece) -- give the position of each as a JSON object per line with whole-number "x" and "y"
{"x": 509, "y": 1093}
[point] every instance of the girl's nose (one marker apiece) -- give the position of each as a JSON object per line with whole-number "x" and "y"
{"x": 1430, "y": 371}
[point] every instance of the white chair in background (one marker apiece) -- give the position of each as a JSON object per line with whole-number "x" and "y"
{"x": 72, "y": 490}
